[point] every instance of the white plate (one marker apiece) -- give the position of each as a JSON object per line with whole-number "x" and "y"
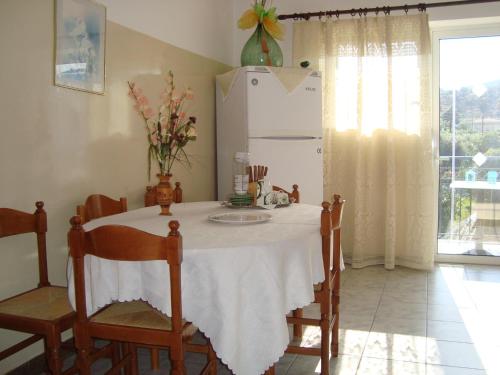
{"x": 240, "y": 218}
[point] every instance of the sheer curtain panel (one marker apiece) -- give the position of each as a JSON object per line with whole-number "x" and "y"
{"x": 377, "y": 133}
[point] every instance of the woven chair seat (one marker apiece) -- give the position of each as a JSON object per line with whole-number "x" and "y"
{"x": 138, "y": 314}
{"x": 47, "y": 303}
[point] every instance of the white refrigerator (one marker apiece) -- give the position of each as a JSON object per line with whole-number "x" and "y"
{"x": 277, "y": 118}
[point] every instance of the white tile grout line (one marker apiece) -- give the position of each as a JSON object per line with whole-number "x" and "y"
{"x": 290, "y": 365}
{"x": 467, "y": 290}
{"x": 371, "y": 327}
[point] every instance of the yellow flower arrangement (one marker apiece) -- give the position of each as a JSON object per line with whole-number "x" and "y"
{"x": 259, "y": 15}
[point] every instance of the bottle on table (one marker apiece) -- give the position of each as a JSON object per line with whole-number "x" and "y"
{"x": 240, "y": 173}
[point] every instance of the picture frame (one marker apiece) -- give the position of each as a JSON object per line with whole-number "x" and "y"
{"x": 80, "y": 45}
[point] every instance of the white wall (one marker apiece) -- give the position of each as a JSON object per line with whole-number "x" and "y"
{"x": 204, "y": 27}
{"x": 296, "y": 6}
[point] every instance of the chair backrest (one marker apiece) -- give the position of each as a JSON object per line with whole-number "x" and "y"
{"x": 14, "y": 222}
{"x": 337, "y": 211}
{"x": 150, "y": 195}
{"x": 331, "y": 223}
{"x": 326, "y": 235}
{"x": 117, "y": 242}
{"x": 98, "y": 205}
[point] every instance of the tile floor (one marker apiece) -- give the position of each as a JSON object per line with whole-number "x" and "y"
{"x": 404, "y": 322}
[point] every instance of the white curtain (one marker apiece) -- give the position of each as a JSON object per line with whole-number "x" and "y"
{"x": 378, "y": 133}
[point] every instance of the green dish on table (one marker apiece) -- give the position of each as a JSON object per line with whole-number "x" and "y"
{"x": 241, "y": 200}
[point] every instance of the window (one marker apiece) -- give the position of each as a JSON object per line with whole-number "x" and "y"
{"x": 467, "y": 115}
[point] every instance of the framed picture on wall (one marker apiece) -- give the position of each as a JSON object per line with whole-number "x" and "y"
{"x": 80, "y": 43}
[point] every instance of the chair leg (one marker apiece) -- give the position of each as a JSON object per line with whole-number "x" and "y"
{"x": 125, "y": 349}
{"x": 212, "y": 359}
{"x": 297, "y": 328}
{"x": 335, "y": 328}
{"x": 134, "y": 364}
{"x": 52, "y": 351}
{"x": 325, "y": 300}
{"x": 46, "y": 351}
{"x": 155, "y": 358}
{"x": 115, "y": 352}
{"x": 83, "y": 346}
{"x": 325, "y": 344}
{"x": 270, "y": 371}
{"x": 336, "y": 292}
{"x": 131, "y": 367}
{"x": 177, "y": 361}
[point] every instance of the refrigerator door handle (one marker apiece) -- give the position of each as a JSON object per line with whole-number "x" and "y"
{"x": 288, "y": 138}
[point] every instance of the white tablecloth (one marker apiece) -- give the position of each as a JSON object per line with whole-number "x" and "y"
{"x": 238, "y": 281}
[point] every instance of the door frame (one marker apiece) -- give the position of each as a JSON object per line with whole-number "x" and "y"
{"x": 472, "y": 27}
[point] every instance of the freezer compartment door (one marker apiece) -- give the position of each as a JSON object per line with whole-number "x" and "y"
{"x": 292, "y": 161}
{"x": 273, "y": 111}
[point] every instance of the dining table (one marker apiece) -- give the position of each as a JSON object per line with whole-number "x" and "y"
{"x": 239, "y": 279}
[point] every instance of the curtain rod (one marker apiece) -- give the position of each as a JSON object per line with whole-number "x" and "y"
{"x": 385, "y": 9}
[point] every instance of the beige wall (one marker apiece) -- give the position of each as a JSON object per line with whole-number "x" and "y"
{"x": 60, "y": 145}
{"x": 205, "y": 27}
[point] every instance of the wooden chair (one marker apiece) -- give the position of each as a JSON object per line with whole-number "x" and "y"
{"x": 98, "y": 205}
{"x": 135, "y": 323}
{"x": 150, "y": 196}
{"x": 327, "y": 293}
{"x": 44, "y": 311}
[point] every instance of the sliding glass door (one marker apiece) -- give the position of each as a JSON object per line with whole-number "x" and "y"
{"x": 469, "y": 144}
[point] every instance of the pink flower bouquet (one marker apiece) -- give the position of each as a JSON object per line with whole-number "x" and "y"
{"x": 169, "y": 129}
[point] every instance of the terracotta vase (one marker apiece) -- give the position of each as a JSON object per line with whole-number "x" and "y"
{"x": 164, "y": 194}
